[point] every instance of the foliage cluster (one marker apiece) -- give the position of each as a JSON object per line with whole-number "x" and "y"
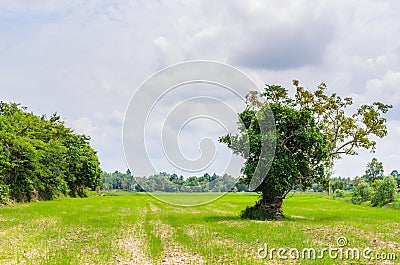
{"x": 40, "y": 158}
{"x": 362, "y": 193}
{"x": 374, "y": 171}
{"x": 338, "y": 194}
{"x": 380, "y": 193}
{"x": 385, "y": 191}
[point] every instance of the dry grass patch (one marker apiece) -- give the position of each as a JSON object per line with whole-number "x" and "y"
{"x": 174, "y": 253}
{"x": 133, "y": 247}
{"x": 154, "y": 208}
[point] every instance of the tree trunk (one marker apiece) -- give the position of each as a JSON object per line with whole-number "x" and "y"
{"x": 329, "y": 186}
{"x": 267, "y": 208}
{"x": 329, "y": 175}
{"x": 271, "y": 204}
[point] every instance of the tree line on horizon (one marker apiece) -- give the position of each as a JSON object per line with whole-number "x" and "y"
{"x": 165, "y": 182}
{"x": 41, "y": 158}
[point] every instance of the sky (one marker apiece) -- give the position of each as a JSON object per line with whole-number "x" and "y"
{"x": 86, "y": 60}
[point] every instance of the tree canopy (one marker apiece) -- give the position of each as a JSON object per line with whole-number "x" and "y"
{"x": 346, "y": 131}
{"x": 374, "y": 171}
{"x": 40, "y": 158}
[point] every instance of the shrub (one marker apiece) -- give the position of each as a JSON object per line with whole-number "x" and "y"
{"x": 393, "y": 205}
{"x": 385, "y": 191}
{"x": 338, "y": 194}
{"x": 4, "y": 193}
{"x": 338, "y": 185}
{"x": 257, "y": 213}
{"x": 361, "y": 193}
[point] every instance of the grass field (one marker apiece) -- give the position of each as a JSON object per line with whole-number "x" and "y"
{"x": 140, "y": 229}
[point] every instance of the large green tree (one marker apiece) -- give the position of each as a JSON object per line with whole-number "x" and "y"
{"x": 41, "y": 158}
{"x": 300, "y": 149}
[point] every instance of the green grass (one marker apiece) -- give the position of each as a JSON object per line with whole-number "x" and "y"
{"x": 139, "y": 229}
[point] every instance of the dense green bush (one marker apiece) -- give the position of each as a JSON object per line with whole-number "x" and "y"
{"x": 338, "y": 185}
{"x": 361, "y": 193}
{"x": 41, "y": 159}
{"x": 385, "y": 191}
{"x": 338, "y": 194}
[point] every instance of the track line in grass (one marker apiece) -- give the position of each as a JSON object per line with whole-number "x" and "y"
{"x": 134, "y": 247}
{"x": 172, "y": 252}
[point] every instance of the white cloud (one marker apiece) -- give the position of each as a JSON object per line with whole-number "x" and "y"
{"x": 84, "y": 126}
{"x": 84, "y": 59}
{"x": 386, "y": 89}
{"x": 161, "y": 42}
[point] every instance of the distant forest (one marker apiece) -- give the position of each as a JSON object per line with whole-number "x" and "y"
{"x": 171, "y": 183}
{"x": 165, "y": 182}
{"x": 206, "y": 183}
